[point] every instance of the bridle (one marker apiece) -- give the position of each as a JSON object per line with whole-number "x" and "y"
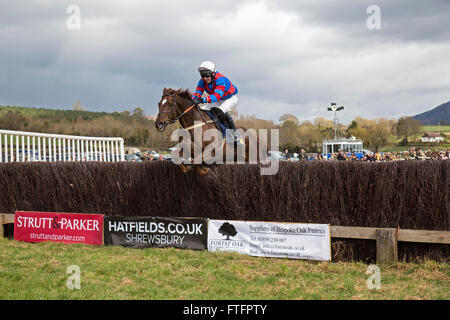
{"x": 172, "y": 106}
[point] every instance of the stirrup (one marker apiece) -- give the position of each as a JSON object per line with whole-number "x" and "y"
{"x": 237, "y": 138}
{"x": 240, "y": 142}
{"x": 233, "y": 136}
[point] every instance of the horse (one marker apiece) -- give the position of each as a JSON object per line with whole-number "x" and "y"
{"x": 177, "y": 105}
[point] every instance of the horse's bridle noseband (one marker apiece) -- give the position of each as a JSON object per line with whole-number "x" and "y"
{"x": 172, "y": 106}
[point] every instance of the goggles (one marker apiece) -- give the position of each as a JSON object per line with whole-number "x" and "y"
{"x": 206, "y": 74}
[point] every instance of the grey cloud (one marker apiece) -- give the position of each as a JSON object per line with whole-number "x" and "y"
{"x": 309, "y": 54}
{"x": 413, "y": 20}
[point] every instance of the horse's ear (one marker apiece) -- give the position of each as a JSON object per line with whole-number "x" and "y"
{"x": 164, "y": 90}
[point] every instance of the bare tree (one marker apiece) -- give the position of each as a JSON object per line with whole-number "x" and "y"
{"x": 407, "y": 127}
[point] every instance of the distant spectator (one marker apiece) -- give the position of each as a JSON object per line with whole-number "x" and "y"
{"x": 377, "y": 156}
{"x": 412, "y": 153}
{"x": 341, "y": 156}
{"x": 303, "y": 156}
{"x": 353, "y": 157}
{"x": 285, "y": 155}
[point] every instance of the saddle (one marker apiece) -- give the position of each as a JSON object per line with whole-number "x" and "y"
{"x": 222, "y": 126}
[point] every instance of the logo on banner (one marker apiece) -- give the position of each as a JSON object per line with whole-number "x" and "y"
{"x": 141, "y": 232}
{"x": 60, "y": 227}
{"x": 227, "y": 230}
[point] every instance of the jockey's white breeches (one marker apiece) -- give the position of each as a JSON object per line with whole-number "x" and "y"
{"x": 225, "y": 105}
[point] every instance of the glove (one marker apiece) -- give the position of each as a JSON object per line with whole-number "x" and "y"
{"x": 200, "y": 100}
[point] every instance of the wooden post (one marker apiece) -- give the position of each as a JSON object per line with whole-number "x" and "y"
{"x": 2, "y": 227}
{"x": 4, "y": 219}
{"x": 387, "y": 251}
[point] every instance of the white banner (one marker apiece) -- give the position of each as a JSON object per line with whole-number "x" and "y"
{"x": 271, "y": 239}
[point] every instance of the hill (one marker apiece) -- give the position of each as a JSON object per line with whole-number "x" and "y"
{"x": 440, "y": 114}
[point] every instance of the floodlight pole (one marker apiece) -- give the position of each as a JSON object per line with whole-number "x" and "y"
{"x": 335, "y": 119}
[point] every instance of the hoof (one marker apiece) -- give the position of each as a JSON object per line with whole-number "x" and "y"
{"x": 202, "y": 171}
{"x": 185, "y": 169}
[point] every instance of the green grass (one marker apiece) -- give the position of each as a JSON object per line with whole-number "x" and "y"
{"x": 38, "y": 271}
{"x": 435, "y": 128}
{"x": 393, "y": 140}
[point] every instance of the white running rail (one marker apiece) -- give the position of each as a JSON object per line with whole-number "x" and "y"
{"x": 20, "y": 146}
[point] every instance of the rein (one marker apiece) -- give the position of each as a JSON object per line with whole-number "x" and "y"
{"x": 181, "y": 114}
{"x": 172, "y": 105}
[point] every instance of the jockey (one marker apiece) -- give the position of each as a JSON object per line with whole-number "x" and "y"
{"x": 222, "y": 95}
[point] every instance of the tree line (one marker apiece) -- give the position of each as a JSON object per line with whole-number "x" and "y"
{"x": 139, "y": 130}
{"x": 375, "y": 133}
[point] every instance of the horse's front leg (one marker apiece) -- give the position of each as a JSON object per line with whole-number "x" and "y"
{"x": 197, "y": 148}
{"x": 201, "y": 171}
{"x": 185, "y": 169}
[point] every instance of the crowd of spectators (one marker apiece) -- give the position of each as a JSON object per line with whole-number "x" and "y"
{"x": 412, "y": 154}
{"x": 146, "y": 156}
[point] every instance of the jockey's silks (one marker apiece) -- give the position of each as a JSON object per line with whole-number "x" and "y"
{"x": 219, "y": 89}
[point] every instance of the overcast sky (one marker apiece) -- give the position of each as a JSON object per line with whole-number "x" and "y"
{"x": 284, "y": 56}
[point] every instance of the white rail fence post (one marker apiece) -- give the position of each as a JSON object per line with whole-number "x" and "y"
{"x": 58, "y": 147}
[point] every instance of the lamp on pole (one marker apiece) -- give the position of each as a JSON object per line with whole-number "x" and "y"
{"x": 335, "y": 119}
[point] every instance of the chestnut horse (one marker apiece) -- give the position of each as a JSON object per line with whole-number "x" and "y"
{"x": 177, "y": 105}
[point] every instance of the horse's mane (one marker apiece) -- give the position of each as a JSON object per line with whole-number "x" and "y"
{"x": 186, "y": 94}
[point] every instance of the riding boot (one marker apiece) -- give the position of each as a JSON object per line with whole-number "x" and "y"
{"x": 237, "y": 137}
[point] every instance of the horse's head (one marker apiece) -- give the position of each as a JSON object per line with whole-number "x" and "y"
{"x": 172, "y": 109}
{"x": 167, "y": 109}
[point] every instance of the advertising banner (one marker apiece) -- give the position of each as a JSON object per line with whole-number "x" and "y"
{"x": 58, "y": 227}
{"x": 271, "y": 239}
{"x": 144, "y": 232}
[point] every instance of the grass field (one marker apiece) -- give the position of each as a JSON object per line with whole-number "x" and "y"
{"x": 394, "y": 140}
{"x": 39, "y": 271}
{"x": 435, "y": 128}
